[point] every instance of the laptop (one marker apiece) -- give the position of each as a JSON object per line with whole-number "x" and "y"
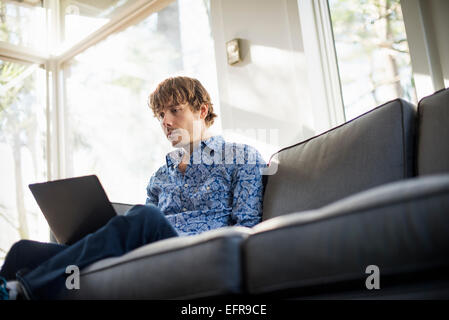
{"x": 73, "y": 207}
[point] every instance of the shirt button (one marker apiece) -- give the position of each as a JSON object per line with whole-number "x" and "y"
{"x": 184, "y": 209}
{"x": 207, "y": 187}
{"x": 186, "y": 185}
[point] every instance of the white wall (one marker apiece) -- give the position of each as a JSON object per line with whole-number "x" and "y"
{"x": 269, "y": 89}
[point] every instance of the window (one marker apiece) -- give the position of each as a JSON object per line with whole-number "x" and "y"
{"x": 372, "y": 52}
{"x": 79, "y": 18}
{"x": 23, "y": 22}
{"x": 23, "y": 152}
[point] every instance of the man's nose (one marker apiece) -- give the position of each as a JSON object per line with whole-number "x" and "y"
{"x": 166, "y": 120}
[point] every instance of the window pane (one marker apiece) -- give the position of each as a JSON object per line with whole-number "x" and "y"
{"x": 111, "y": 130}
{"x": 79, "y": 18}
{"x": 372, "y": 52}
{"x": 23, "y": 23}
{"x": 22, "y": 152}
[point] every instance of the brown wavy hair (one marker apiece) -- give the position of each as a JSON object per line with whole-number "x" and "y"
{"x": 180, "y": 90}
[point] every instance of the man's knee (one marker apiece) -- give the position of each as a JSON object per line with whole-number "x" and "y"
{"x": 145, "y": 216}
{"x": 144, "y": 211}
{"x": 20, "y": 245}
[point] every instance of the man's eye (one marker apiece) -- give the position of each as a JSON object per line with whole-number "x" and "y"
{"x": 161, "y": 115}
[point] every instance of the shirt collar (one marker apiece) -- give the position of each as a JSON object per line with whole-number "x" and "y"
{"x": 174, "y": 157}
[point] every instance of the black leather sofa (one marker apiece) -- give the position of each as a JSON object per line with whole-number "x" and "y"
{"x": 373, "y": 191}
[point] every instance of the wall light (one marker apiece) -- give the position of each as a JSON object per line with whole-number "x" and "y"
{"x": 233, "y": 51}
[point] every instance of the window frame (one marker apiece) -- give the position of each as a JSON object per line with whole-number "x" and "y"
{"x": 323, "y": 70}
{"x": 423, "y": 47}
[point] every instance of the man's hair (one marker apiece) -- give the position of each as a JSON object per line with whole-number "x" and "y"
{"x": 180, "y": 90}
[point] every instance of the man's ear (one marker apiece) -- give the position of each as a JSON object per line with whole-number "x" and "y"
{"x": 204, "y": 110}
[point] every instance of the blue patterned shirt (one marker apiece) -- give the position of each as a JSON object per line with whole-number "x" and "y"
{"x": 221, "y": 186}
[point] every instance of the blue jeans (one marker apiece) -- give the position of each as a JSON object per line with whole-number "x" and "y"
{"x": 48, "y": 261}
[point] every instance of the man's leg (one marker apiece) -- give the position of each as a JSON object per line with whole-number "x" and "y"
{"x": 140, "y": 226}
{"x": 27, "y": 254}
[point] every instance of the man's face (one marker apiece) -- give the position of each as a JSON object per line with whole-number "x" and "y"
{"x": 180, "y": 124}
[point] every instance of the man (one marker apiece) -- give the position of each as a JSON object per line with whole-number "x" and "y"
{"x": 205, "y": 184}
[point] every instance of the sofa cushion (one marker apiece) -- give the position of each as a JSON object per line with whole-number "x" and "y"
{"x": 373, "y": 149}
{"x": 197, "y": 266}
{"x": 399, "y": 227}
{"x": 433, "y": 134}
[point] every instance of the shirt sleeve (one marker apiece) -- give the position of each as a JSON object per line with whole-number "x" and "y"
{"x": 152, "y": 197}
{"x": 248, "y": 190}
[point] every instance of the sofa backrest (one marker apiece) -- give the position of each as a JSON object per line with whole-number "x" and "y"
{"x": 373, "y": 149}
{"x": 433, "y": 134}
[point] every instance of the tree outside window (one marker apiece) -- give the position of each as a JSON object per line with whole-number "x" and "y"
{"x": 372, "y": 53}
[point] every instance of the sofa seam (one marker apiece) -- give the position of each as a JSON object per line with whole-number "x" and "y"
{"x": 418, "y": 138}
{"x": 404, "y": 157}
{"x": 348, "y": 212}
{"x": 416, "y": 141}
